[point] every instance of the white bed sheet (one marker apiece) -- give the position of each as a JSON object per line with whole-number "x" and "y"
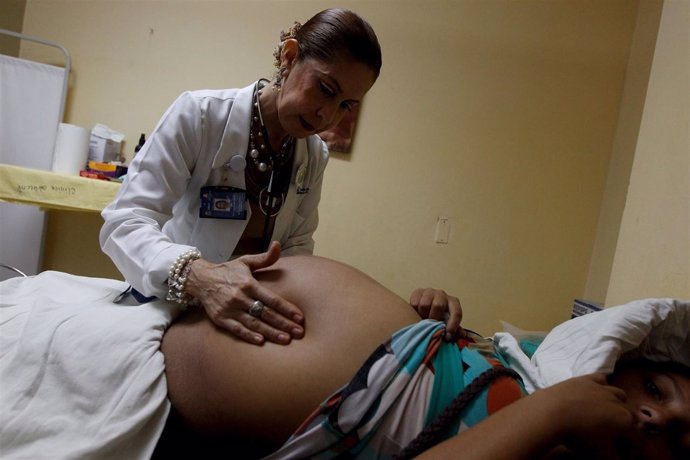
{"x": 657, "y": 329}
{"x": 80, "y": 376}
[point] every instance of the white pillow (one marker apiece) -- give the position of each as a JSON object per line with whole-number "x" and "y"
{"x": 657, "y": 329}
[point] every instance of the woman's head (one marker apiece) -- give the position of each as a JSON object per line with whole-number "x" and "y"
{"x": 658, "y": 393}
{"x": 326, "y": 67}
{"x": 332, "y": 34}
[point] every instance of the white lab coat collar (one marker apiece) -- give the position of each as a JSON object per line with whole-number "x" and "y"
{"x": 236, "y": 134}
{"x": 236, "y": 139}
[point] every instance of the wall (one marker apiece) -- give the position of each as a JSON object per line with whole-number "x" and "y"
{"x": 653, "y": 249}
{"x": 623, "y": 149}
{"x": 12, "y": 18}
{"x": 499, "y": 115}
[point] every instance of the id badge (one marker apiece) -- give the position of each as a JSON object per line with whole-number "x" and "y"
{"x": 218, "y": 202}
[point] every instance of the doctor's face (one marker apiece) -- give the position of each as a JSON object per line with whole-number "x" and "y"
{"x": 660, "y": 399}
{"x": 315, "y": 95}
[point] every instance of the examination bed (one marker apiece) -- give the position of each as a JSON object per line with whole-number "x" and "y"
{"x": 83, "y": 377}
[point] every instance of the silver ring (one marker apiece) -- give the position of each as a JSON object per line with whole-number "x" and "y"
{"x": 256, "y": 309}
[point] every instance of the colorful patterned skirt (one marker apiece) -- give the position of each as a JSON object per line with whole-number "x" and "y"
{"x": 400, "y": 390}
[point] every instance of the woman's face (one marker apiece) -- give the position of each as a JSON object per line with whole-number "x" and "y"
{"x": 315, "y": 95}
{"x": 660, "y": 401}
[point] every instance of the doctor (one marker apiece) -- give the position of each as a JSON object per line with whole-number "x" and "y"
{"x": 230, "y": 179}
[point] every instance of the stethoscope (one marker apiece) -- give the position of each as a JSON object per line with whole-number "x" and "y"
{"x": 274, "y": 198}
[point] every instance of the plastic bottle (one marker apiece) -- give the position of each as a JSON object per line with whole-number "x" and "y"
{"x": 142, "y": 139}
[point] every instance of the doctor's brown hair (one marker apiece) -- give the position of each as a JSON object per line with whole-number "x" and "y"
{"x": 332, "y": 32}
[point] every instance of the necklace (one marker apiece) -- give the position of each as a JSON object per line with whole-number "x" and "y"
{"x": 262, "y": 155}
{"x": 271, "y": 196}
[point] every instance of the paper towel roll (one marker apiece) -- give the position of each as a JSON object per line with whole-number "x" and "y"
{"x": 71, "y": 149}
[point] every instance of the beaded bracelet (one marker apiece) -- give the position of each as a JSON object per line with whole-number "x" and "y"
{"x": 177, "y": 277}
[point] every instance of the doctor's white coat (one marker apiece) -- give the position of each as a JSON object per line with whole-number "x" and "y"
{"x": 155, "y": 216}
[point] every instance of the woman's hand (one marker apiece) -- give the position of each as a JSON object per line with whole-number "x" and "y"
{"x": 228, "y": 290}
{"x": 588, "y": 414}
{"x": 436, "y": 304}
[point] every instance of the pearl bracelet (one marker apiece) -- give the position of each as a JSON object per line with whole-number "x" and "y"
{"x": 177, "y": 277}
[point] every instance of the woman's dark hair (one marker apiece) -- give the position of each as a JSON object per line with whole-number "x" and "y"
{"x": 331, "y": 32}
{"x": 655, "y": 366}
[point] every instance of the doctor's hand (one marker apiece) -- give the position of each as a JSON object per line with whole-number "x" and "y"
{"x": 234, "y": 300}
{"x": 436, "y": 304}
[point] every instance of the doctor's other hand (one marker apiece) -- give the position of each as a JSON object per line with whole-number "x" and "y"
{"x": 234, "y": 300}
{"x": 436, "y": 304}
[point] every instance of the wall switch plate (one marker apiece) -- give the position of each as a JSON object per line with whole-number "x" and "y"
{"x": 442, "y": 230}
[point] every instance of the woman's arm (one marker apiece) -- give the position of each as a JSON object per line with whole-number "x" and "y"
{"x": 133, "y": 236}
{"x": 582, "y": 414}
{"x": 157, "y": 179}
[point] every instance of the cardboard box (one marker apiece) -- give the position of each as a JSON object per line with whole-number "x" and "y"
{"x": 105, "y": 145}
{"x": 584, "y": 307}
